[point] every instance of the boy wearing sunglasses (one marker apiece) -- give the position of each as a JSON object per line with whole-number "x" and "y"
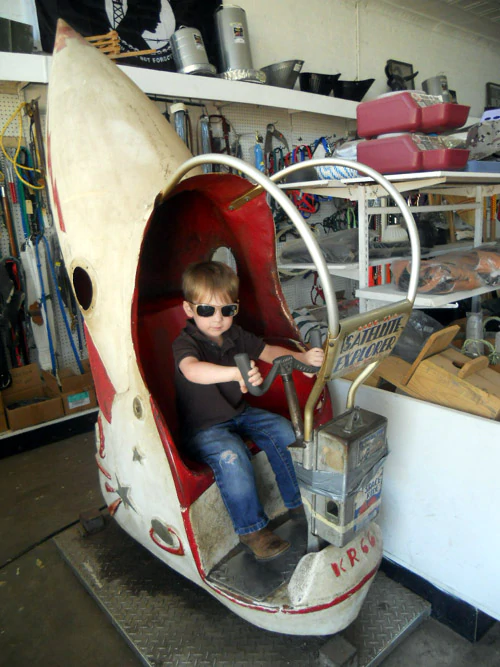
{"x": 210, "y": 401}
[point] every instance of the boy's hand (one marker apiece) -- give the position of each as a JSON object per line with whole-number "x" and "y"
{"x": 254, "y": 377}
{"x": 313, "y": 357}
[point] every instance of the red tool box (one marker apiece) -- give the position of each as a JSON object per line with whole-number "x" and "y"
{"x": 408, "y": 111}
{"x": 410, "y": 152}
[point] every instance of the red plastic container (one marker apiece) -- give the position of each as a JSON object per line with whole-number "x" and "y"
{"x": 388, "y": 113}
{"x": 444, "y": 159}
{"x": 409, "y": 153}
{"x": 440, "y": 117}
{"x": 408, "y": 111}
{"x": 391, "y": 155}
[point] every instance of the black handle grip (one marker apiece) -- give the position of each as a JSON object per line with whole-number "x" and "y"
{"x": 243, "y": 362}
{"x": 299, "y": 366}
{"x": 283, "y": 365}
{"x": 315, "y": 338}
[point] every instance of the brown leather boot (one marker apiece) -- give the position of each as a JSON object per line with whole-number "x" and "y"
{"x": 298, "y": 513}
{"x": 264, "y": 544}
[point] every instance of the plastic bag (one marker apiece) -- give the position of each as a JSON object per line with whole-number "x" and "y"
{"x": 338, "y": 247}
{"x": 453, "y": 272}
{"x": 416, "y": 332}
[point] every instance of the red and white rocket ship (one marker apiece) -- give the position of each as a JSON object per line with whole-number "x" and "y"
{"x": 110, "y": 155}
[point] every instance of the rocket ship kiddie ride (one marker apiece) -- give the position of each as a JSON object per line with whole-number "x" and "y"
{"x": 133, "y": 210}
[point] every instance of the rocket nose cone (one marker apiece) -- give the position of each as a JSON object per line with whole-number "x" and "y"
{"x": 64, "y": 32}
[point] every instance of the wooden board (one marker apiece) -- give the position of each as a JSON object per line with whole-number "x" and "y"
{"x": 433, "y": 382}
{"x": 437, "y": 342}
{"x": 448, "y": 378}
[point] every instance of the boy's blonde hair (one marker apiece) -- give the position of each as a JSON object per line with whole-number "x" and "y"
{"x": 212, "y": 278}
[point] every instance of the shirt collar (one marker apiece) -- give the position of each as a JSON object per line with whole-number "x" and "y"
{"x": 228, "y": 336}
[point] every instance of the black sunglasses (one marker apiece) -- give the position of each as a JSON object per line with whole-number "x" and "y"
{"x": 205, "y": 310}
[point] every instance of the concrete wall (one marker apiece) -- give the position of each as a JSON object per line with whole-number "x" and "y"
{"x": 357, "y": 38}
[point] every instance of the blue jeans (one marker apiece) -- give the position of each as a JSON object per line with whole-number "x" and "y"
{"x": 223, "y": 449}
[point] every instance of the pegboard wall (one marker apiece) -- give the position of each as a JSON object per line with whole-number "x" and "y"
{"x": 68, "y": 342}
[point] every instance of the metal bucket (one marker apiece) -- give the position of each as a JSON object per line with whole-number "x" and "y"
{"x": 189, "y": 52}
{"x": 232, "y": 38}
{"x": 233, "y": 43}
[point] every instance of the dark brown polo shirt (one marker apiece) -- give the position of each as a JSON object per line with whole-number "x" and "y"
{"x": 204, "y": 405}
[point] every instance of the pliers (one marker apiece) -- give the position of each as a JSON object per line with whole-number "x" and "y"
{"x": 271, "y": 132}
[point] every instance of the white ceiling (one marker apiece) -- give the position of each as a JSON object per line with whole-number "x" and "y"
{"x": 479, "y": 17}
{"x": 486, "y": 9}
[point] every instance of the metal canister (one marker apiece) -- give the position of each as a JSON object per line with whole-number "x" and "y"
{"x": 232, "y": 38}
{"x": 189, "y": 52}
{"x": 437, "y": 85}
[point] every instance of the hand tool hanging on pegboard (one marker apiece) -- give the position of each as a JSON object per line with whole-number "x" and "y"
{"x": 39, "y": 226}
{"x": 182, "y": 123}
{"x": 67, "y": 294}
{"x": 36, "y": 136}
{"x": 317, "y": 290}
{"x": 219, "y": 129}
{"x": 35, "y": 250}
{"x": 306, "y": 203}
{"x": 258, "y": 152}
{"x": 273, "y": 133}
{"x": 204, "y": 145}
{"x": 8, "y": 220}
{"x": 12, "y": 336}
{"x": 61, "y": 304}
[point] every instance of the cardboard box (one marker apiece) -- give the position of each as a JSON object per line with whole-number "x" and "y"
{"x": 77, "y": 390}
{"x": 29, "y": 383}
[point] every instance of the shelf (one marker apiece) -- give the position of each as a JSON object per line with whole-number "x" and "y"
{"x": 35, "y": 68}
{"x": 24, "y": 67}
{"x": 350, "y": 271}
{"x": 210, "y": 88}
{"x": 443, "y": 182}
{"x": 449, "y": 177}
{"x": 390, "y": 294}
{"x": 11, "y": 434}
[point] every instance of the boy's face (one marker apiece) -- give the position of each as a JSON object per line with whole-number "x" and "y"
{"x": 213, "y": 327}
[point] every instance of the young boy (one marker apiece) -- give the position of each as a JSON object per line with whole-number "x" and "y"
{"x": 210, "y": 392}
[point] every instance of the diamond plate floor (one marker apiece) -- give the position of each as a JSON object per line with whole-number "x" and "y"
{"x": 170, "y": 621}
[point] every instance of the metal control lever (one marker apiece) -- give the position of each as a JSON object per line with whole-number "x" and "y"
{"x": 283, "y": 365}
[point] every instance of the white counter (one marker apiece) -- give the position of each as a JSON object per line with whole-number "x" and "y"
{"x": 440, "y": 496}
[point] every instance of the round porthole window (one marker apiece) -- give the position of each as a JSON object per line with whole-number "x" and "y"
{"x": 224, "y": 255}
{"x": 82, "y": 284}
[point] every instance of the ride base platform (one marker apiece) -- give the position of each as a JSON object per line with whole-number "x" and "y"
{"x": 168, "y": 620}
